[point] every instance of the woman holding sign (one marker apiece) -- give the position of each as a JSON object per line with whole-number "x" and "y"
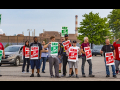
{"x": 73, "y": 58}
{"x": 108, "y": 57}
{"x": 26, "y": 57}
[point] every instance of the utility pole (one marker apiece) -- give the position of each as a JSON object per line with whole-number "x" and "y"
{"x": 29, "y": 34}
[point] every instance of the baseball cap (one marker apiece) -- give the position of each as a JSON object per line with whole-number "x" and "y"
{"x": 66, "y": 35}
{"x": 74, "y": 41}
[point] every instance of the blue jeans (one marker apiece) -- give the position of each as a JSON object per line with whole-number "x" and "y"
{"x": 107, "y": 68}
{"x": 43, "y": 59}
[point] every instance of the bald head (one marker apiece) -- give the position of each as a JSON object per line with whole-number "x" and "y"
{"x": 107, "y": 41}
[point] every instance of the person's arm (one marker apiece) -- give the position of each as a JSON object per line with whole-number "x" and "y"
{"x": 30, "y": 51}
{"x": 58, "y": 47}
{"x": 114, "y": 54}
{"x": 46, "y": 45}
{"x": 3, "y": 52}
{"x": 79, "y": 52}
{"x": 101, "y": 51}
{"x": 40, "y": 47}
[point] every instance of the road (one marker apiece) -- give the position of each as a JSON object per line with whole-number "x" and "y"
{"x": 13, "y": 73}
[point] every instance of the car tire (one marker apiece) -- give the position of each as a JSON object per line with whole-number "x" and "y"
{"x": 95, "y": 55}
{"x": 0, "y": 64}
{"x": 17, "y": 62}
{"x": 101, "y": 55}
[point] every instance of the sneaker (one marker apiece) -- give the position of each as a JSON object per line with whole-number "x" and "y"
{"x": 91, "y": 75}
{"x": 114, "y": 76}
{"x": 63, "y": 75}
{"x": 28, "y": 72}
{"x": 52, "y": 76}
{"x": 23, "y": 72}
{"x": 43, "y": 72}
{"x": 38, "y": 75}
{"x": 107, "y": 75}
{"x": 59, "y": 71}
{"x": 83, "y": 75}
{"x": 73, "y": 75}
{"x": 32, "y": 75}
{"x": 117, "y": 71}
{"x": 77, "y": 76}
{"x": 57, "y": 76}
{"x": 69, "y": 76}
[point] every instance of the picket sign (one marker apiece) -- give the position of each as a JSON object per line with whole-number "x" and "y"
{"x": 73, "y": 54}
{"x": 34, "y": 52}
{"x": 119, "y": 51}
{"x": 88, "y": 53}
{"x": 26, "y": 52}
{"x": 54, "y": 49}
{"x": 109, "y": 58}
{"x": 64, "y": 31}
{"x": 67, "y": 45}
{"x": 1, "y": 53}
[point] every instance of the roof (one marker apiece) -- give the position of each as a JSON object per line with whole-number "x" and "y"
{"x": 17, "y": 45}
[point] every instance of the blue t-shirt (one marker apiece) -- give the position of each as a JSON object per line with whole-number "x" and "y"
{"x": 44, "y": 54}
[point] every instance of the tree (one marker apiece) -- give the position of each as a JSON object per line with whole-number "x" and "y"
{"x": 114, "y": 22}
{"x": 6, "y": 45}
{"x": 95, "y": 28}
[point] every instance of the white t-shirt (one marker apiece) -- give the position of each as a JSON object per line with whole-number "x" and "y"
{"x": 77, "y": 52}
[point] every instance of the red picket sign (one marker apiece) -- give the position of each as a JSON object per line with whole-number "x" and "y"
{"x": 67, "y": 45}
{"x": 26, "y": 52}
{"x": 88, "y": 53}
{"x": 34, "y": 52}
{"x": 109, "y": 58}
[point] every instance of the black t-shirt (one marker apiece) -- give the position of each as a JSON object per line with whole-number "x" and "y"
{"x": 61, "y": 49}
{"x": 36, "y": 44}
{"x": 107, "y": 48}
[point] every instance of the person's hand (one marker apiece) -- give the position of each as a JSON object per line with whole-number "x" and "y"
{"x": 59, "y": 45}
{"x": 116, "y": 40}
{"x": 70, "y": 43}
{"x": 49, "y": 43}
{"x": 114, "y": 58}
{"x": 79, "y": 49}
{"x": 59, "y": 56}
{"x": 39, "y": 57}
{"x": 4, "y": 56}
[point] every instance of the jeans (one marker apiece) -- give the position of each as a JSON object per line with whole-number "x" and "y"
{"x": 83, "y": 65}
{"x": 43, "y": 59}
{"x": 107, "y": 68}
{"x": 24, "y": 63}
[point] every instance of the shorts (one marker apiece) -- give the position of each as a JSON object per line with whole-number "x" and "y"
{"x": 60, "y": 60}
{"x": 71, "y": 64}
{"x": 35, "y": 63}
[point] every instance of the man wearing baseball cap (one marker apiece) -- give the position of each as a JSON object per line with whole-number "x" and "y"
{"x": 65, "y": 59}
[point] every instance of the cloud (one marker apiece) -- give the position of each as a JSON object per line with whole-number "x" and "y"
{"x": 1, "y": 31}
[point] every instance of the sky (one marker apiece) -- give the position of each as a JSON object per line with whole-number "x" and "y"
{"x": 16, "y": 21}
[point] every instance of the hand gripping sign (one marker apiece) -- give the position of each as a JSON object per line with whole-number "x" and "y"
{"x": 73, "y": 54}
{"x": 66, "y": 45}
{"x": 88, "y": 53}
{"x": 119, "y": 51}
{"x": 109, "y": 58}
{"x": 26, "y": 52}
{"x": 54, "y": 48}
{"x": 1, "y": 53}
{"x": 34, "y": 52}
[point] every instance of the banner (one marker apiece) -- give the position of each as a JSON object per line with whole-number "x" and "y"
{"x": 119, "y": 51}
{"x": 54, "y": 48}
{"x": 1, "y": 53}
{"x": 26, "y": 52}
{"x": 66, "y": 45}
{"x": 109, "y": 58}
{"x": 73, "y": 54}
{"x": 64, "y": 31}
{"x": 88, "y": 53}
{"x": 34, "y": 52}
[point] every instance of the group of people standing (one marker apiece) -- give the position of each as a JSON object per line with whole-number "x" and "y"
{"x": 62, "y": 58}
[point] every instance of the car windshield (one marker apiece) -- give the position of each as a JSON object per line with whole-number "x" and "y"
{"x": 97, "y": 47}
{"x": 12, "y": 49}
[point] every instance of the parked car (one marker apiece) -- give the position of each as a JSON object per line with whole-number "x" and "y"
{"x": 96, "y": 50}
{"x": 13, "y": 55}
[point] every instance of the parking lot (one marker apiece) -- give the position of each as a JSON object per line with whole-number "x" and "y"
{"x": 14, "y": 73}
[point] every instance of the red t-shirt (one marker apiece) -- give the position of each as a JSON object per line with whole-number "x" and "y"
{"x": 84, "y": 45}
{"x": 116, "y": 50}
{"x": 1, "y": 46}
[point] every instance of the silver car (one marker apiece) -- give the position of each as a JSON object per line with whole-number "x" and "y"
{"x": 13, "y": 55}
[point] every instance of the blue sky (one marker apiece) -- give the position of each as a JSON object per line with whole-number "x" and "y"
{"x": 16, "y": 21}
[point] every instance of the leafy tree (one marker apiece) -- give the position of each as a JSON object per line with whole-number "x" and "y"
{"x": 95, "y": 28}
{"x": 6, "y": 45}
{"x": 114, "y": 22}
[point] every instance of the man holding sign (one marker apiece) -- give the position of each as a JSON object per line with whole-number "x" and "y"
{"x": 108, "y": 57}
{"x": 35, "y": 56}
{"x": 117, "y": 57}
{"x": 86, "y": 56}
{"x": 53, "y": 49}
{"x": 2, "y": 53}
{"x": 73, "y": 58}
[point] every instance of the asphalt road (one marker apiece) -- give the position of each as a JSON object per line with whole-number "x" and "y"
{"x": 14, "y": 73}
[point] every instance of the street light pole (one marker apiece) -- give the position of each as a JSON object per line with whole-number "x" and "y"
{"x": 29, "y": 34}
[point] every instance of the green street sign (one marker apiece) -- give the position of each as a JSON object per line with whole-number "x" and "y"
{"x": 1, "y": 53}
{"x": 64, "y": 31}
{"x": 54, "y": 48}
